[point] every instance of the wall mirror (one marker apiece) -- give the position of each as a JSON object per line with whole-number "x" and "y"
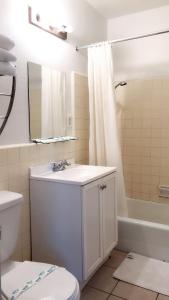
{"x": 49, "y": 104}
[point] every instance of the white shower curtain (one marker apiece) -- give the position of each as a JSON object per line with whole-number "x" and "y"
{"x": 53, "y": 121}
{"x": 104, "y": 148}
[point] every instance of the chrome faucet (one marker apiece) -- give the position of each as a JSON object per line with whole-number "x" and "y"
{"x": 60, "y": 165}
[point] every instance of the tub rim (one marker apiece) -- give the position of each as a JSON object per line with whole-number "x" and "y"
{"x": 143, "y": 222}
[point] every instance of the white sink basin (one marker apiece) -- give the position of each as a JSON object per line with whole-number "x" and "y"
{"x": 75, "y": 174}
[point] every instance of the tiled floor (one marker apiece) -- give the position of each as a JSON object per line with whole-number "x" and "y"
{"x": 103, "y": 286}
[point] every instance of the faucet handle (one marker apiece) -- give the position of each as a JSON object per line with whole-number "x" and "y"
{"x": 53, "y": 165}
{"x": 59, "y": 165}
{"x": 67, "y": 163}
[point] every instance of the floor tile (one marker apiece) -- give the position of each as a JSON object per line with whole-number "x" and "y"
{"x": 116, "y": 259}
{"x": 103, "y": 280}
{"x": 162, "y": 297}
{"x": 131, "y": 292}
{"x": 114, "y": 298}
{"x": 91, "y": 294}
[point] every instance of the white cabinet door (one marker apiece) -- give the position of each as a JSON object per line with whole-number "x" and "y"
{"x": 109, "y": 214}
{"x": 92, "y": 224}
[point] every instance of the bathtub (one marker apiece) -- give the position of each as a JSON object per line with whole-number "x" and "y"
{"x": 146, "y": 230}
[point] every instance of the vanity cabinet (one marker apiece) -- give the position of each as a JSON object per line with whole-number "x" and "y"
{"x": 74, "y": 223}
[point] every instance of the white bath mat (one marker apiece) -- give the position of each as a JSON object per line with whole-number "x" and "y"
{"x": 145, "y": 272}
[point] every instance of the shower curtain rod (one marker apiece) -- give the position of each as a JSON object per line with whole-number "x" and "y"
{"x": 124, "y": 39}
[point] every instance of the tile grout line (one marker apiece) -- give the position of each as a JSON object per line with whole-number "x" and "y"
{"x": 114, "y": 289}
{"x": 108, "y": 297}
{"x": 99, "y": 290}
{"x": 118, "y": 280}
{"x": 115, "y": 285}
{"x": 114, "y": 269}
{"x": 137, "y": 286}
{"x": 108, "y": 294}
{"x": 121, "y": 298}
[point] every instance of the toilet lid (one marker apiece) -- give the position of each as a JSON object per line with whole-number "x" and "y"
{"x": 55, "y": 284}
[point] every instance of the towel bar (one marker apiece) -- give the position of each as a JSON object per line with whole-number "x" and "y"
{"x": 12, "y": 96}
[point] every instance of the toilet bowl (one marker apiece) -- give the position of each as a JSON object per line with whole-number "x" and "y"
{"x": 29, "y": 280}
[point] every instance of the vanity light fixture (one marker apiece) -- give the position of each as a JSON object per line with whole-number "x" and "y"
{"x": 66, "y": 28}
{"x": 36, "y": 20}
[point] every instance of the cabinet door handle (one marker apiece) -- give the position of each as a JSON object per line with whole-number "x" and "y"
{"x": 103, "y": 186}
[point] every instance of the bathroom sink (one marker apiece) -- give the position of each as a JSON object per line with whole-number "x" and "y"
{"x": 75, "y": 174}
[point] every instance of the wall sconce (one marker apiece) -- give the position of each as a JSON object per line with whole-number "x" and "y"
{"x": 36, "y": 20}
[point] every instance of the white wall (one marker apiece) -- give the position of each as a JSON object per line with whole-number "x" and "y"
{"x": 145, "y": 57}
{"x": 32, "y": 44}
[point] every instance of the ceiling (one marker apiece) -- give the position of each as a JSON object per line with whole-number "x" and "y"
{"x": 115, "y": 8}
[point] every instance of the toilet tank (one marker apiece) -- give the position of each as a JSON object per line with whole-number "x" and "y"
{"x": 10, "y": 211}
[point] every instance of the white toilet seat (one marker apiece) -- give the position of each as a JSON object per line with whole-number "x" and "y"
{"x": 58, "y": 285}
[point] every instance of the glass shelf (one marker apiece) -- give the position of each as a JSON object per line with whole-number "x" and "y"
{"x": 55, "y": 140}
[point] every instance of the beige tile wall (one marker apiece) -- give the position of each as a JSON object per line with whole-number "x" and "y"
{"x": 81, "y": 116}
{"x": 143, "y": 110}
{"x": 15, "y": 161}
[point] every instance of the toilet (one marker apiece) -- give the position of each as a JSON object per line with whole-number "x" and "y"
{"x": 28, "y": 280}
